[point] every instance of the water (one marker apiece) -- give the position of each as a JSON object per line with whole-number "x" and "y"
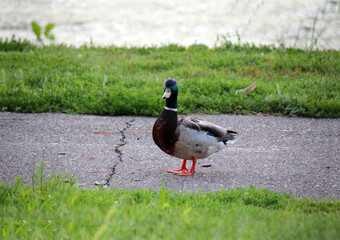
{"x": 155, "y": 22}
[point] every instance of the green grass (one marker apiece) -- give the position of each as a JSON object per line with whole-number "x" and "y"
{"x": 53, "y": 208}
{"x": 129, "y": 81}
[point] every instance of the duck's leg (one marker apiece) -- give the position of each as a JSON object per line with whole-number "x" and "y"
{"x": 192, "y": 170}
{"x": 183, "y": 168}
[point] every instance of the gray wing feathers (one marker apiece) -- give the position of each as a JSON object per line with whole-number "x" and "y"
{"x": 221, "y": 133}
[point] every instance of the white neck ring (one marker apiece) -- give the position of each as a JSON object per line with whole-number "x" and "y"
{"x": 171, "y": 109}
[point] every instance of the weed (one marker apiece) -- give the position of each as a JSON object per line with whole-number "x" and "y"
{"x": 37, "y": 29}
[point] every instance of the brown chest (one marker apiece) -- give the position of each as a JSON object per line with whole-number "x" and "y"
{"x": 164, "y": 132}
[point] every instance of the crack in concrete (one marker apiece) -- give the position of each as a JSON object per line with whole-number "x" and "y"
{"x": 118, "y": 151}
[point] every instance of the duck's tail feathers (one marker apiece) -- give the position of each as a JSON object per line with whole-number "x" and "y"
{"x": 228, "y": 137}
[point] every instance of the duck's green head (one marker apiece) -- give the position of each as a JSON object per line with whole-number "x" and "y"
{"x": 170, "y": 93}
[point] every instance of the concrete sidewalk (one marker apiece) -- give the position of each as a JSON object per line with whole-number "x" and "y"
{"x": 300, "y": 156}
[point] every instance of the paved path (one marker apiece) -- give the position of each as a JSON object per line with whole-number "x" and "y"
{"x": 300, "y": 156}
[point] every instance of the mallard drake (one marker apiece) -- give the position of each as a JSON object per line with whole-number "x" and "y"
{"x": 187, "y": 138}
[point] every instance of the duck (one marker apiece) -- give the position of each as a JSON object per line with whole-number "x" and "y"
{"x": 186, "y": 137}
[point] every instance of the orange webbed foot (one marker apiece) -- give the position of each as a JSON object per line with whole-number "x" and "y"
{"x": 177, "y": 171}
{"x": 183, "y": 168}
{"x": 184, "y": 171}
